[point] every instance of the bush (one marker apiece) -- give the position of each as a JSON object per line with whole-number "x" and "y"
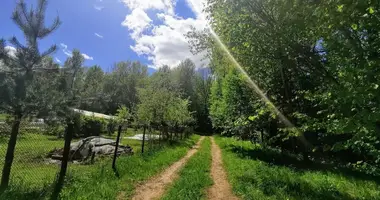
{"x": 91, "y": 126}
{"x": 111, "y": 126}
{"x": 55, "y": 129}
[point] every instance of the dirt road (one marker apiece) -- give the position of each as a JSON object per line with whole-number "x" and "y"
{"x": 221, "y": 190}
{"x": 155, "y": 187}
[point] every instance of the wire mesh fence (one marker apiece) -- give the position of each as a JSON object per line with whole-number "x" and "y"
{"x": 30, "y": 165}
{"x": 39, "y": 147}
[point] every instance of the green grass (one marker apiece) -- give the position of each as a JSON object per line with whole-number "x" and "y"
{"x": 101, "y": 183}
{"x": 194, "y": 177}
{"x": 3, "y": 117}
{"x": 28, "y": 165}
{"x": 32, "y": 178}
{"x": 257, "y": 174}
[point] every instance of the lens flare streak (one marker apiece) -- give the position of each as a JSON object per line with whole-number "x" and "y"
{"x": 251, "y": 83}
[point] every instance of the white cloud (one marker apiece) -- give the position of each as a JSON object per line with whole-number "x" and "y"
{"x": 167, "y": 45}
{"x": 58, "y": 61}
{"x": 63, "y": 45}
{"x": 163, "y": 44}
{"x": 65, "y": 50}
{"x": 87, "y": 57}
{"x": 98, "y": 35}
{"x": 70, "y": 53}
{"x": 197, "y": 6}
{"x": 137, "y": 22}
{"x": 99, "y": 8}
{"x": 161, "y": 5}
{"x": 11, "y": 51}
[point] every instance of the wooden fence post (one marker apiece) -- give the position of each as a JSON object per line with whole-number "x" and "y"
{"x": 143, "y": 141}
{"x": 65, "y": 159}
{"x": 116, "y": 147}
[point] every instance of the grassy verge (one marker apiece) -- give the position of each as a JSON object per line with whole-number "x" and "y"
{"x": 32, "y": 177}
{"x": 101, "y": 183}
{"x": 194, "y": 177}
{"x": 253, "y": 177}
{"x": 29, "y": 164}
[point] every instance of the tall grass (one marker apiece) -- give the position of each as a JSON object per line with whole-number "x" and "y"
{"x": 256, "y": 174}
{"x": 194, "y": 177}
{"x": 101, "y": 183}
{"x": 32, "y": 177}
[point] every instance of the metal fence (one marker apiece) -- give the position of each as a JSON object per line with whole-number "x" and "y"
{"x": 30, "y": 167}
{"x": 35, "y": 162}
{"x": 39, "y": 149}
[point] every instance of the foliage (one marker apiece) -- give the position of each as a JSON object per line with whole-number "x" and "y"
{"x": 140, "y": 168}
{"x": 266, "y": 174}
{"x": 22, "y": 74}
{"x": 92, "y": 91}
{"x": 159, "y": 104}
{"x": 91, "y": 126}
{"x": 123, "y": 114}
{"x": 33, "y": 178}
{"x": 120, "y": 86}
{"x": 196, "y": 88}
{"x": 3, "y": 117}
{"x": 316, "y": 61}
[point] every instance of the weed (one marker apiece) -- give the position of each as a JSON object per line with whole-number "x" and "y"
{"x": 255, "y": 174}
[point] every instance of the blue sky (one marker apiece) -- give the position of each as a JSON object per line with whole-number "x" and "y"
{"x": 108, "y": 31}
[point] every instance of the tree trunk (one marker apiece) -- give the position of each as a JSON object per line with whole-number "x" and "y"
{"x": 305, "y": 155}
{"x": 151, "y": 139}
{"x": 143, "y": 141}
{"x": 116, "y": 147}
{"x": 161, "y": 136}
{"x": 65, "y": 159}
{"x": 10, "y": 152}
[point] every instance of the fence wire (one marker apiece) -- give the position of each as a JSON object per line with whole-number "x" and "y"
{"x": 31, "y": 165}
{"x": 34, "y": 166}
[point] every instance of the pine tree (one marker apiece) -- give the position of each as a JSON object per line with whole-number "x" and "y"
{"x": 20, "y": 70}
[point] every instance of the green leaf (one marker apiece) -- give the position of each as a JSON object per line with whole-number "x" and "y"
{"x": 340, "y": 8}
{"x": 252, "y": 118}
{"x": 354, "y": 27}
{"x": 371, "y": 10}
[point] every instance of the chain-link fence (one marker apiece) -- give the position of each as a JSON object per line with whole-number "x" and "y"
{"x": 38, "y": 153}
{"x": 39, "y": 149}
{"x": 30, "y": 167}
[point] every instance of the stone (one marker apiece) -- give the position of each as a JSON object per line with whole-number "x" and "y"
{"x": 90, "y": 147}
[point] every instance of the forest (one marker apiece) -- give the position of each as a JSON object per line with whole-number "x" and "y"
{"x": 315, "y": 61}
{"x": 290, "y": 83}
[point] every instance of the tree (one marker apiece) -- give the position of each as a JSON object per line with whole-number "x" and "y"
{"x": 20, "y": 71}
{"x": 93, "y": 89}
{"x": 202, "y": 93}
{"x": 71, "y": 99}
{"x": 123, "y": 115}
{"x": 194, "y": 87}
{"x": 315, "y": 60}
{"x": 120, "y": 86}
{"x": 161, "y": 104}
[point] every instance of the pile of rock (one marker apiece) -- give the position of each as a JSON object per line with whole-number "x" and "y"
{"x": 89, "y": 147}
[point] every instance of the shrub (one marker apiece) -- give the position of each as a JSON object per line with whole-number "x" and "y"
{"x": 92, "y": 126}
